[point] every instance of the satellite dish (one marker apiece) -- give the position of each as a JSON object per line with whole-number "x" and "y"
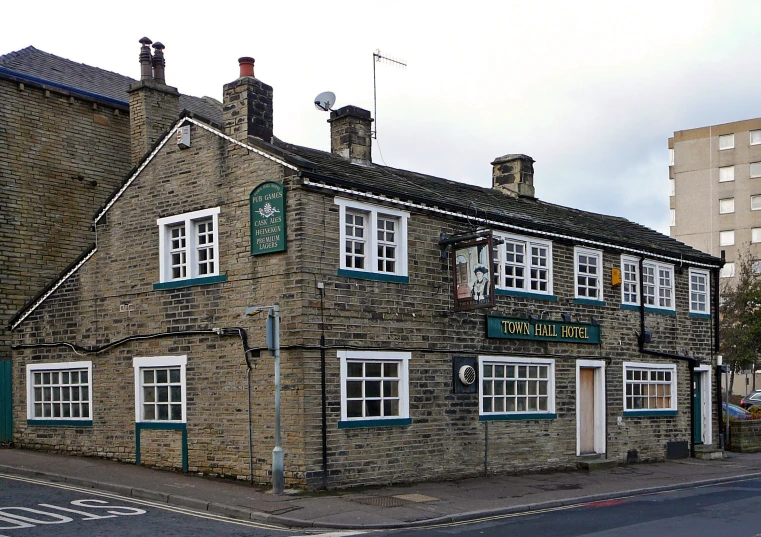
{"x": 325, "y": 101}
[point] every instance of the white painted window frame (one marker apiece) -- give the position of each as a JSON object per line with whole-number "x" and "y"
{"x": 528, "y": 242}
{"x": 157, "y": 362}
{"x": 402, "y": 358}
{"x": 757, "y": 173}
{"x": 723, "y": 235}
{"x": 657, "y": 267}
{"x": 371, "y": 253}
{"x": 728, "y": 140}
{"x": 57, "y": 367}
{"x": 726, "y": 174}
{"x": 671, "y": 157}
{"x": 577, "y": 251}
{"x": 758, "y": 198}
{"x": 657, "y": 367}
{"x": 728, "y": 270}
{"x": 707, "y": 293}
{"x": 600, "y": 404}
{"x": 637, "y": 281}
{"x": 758, "y": 137}
{"x": 517, "y": 361}
{"x": 672, "y": 216}
{"x": 189, "y": 220}
{"x": 755, "y": 234}
{"x": 721, "y": 211}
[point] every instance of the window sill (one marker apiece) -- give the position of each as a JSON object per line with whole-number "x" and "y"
{"x": 649, "y": 413}
{"x": 363, "y": 424}
{"x": 588, "y": 302}
{"x": 162, "y": 425}
{"x": 58, "y": 423}
{"x": 649, "y": 309}
{"x": 206, "y": 280}
{"x": 376, "y": 276}
{"x": 695, "y": 315}
{"x": 517, "y": 416}
{"x": 526, "y": 294}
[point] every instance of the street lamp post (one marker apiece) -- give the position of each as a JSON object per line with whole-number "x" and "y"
{"x": 273, "y": 345}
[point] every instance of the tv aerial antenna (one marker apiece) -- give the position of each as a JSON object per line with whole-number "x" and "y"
{"x": 377, "y": 58}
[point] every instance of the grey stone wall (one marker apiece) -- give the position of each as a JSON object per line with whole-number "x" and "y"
{"x": 445, "y": 439}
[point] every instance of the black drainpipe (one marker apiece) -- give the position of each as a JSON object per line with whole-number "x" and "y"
{"x": 716, "y": 348}
{"x": 689, "y": 359}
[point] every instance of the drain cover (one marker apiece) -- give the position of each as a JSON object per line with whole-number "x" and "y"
{"x": 383, "y": 501}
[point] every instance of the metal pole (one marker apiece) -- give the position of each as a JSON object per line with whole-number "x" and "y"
{"x": 278, "y": 480}
{"x": 726, "y": 398}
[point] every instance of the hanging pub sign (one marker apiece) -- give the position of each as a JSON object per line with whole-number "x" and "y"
{"x": 472, "y": 269}
{"x": 267, "y": 204}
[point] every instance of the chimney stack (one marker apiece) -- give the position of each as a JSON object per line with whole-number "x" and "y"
{"x": 514, "y": 175}
{"x": 153, "y": 106}
{"x": 247, "y": 105}
{"x": 350, "y": 134}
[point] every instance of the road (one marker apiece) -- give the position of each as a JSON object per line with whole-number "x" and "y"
{"x": 730, "y": 509}
{"x": 33, "y": 508}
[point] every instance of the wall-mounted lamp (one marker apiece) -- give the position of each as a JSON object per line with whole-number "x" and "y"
{"x": 594, "y": 321}
{"x": 646, "y": 336}
{"x": 548, "y": 312}
{"x": 566, "y": 317}
{"x": 532, "y": 319}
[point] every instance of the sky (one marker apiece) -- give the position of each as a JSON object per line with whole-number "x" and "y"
{"x": 591, "y": 90}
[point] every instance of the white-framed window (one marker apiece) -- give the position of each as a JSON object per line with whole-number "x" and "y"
{"x": 516, "y": 385}
{"x": 374, "y": 385}
{"x": 672, "y": 187}
{"x": 727, "y": 271}
{"x": 671, "y": 157}
{"x": 726, "y": 141}
{"x": 629, "y": 280}
{"x": 755, "y": 170}
{"x": 673, "y": 217}
{"x": 524, "y": 264}
{"x": 755, "y": 137}
{"x": 756, "y": 266}
{"x": 755, "y": 203}
{"x": 699, "y": 291}
{"x": 189, "y": 245}
{"x": 755, "y": 234}
{"x": 726, "y": 205}
{"x": 588, "y": 273}
{"x": 658, "y": 285}
{"x": 649, "y": 387}
{"x": 726, "y": 238}
{"x": 726, "y": 173}
{"x": 373, "y": 238}
{"x": 160, "y": 389}
{"x": 59, "y": 392}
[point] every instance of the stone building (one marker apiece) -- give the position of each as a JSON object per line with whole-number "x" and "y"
{"x": 64, "y": 149}
{"x": 429, "y": 329}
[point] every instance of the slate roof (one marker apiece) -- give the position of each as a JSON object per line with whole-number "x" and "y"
{"x": 464, "y": 198}
{"x": 78, "y": 76}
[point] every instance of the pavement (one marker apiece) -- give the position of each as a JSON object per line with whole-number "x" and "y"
{"x": 386, "y": 507}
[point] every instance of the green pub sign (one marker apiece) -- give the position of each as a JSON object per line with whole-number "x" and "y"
{"x": 541, "y": 330}
{"x": 267, "y": 202}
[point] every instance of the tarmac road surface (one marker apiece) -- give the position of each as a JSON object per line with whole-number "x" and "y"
{"x": 34, "y": 508}
{"x": 730, "y": 509}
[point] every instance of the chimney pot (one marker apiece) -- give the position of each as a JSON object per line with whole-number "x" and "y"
{"x": 146, "y": 72}
{"x": 159, "y": 64}
{"x": 246, "y": 66}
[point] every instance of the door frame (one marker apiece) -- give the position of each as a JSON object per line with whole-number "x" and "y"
{"x": 706, "y": 414}
{"x": 599, "y": 398}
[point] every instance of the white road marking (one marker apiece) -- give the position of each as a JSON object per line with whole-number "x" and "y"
{"x": 334, "y": 534}
{"x": 166, "y": 507}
